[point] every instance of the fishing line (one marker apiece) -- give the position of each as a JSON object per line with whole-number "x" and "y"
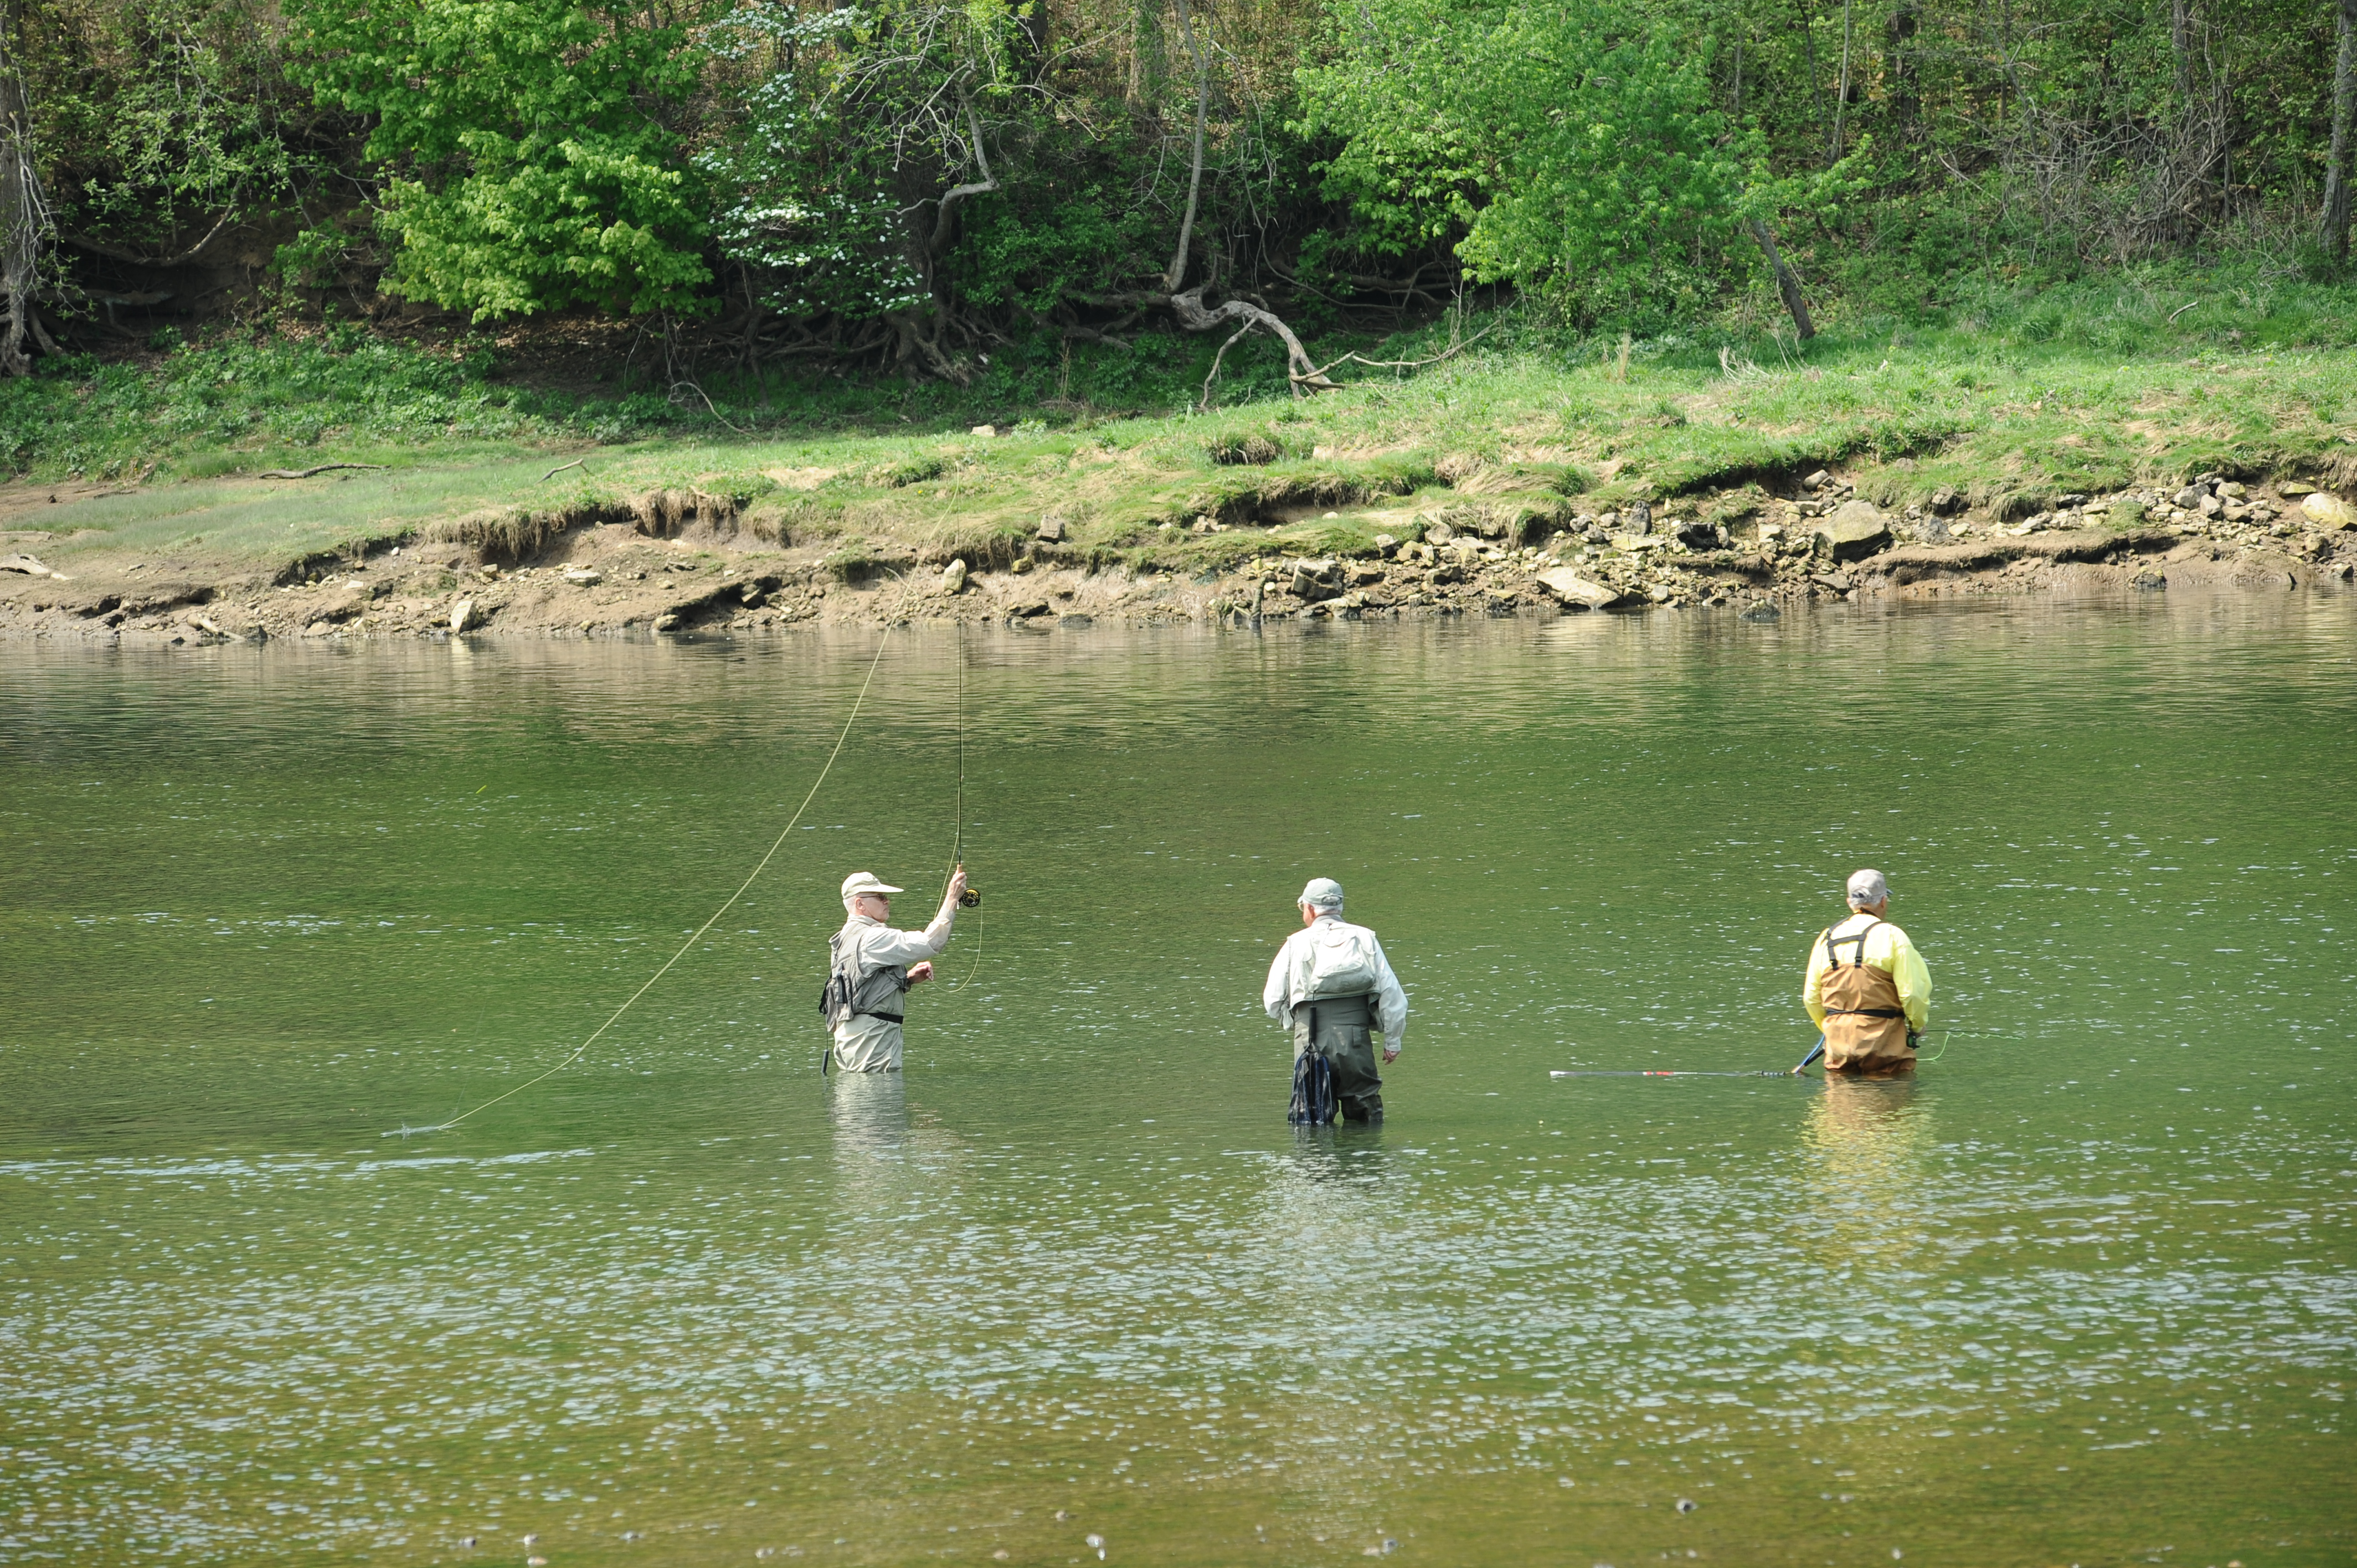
{"x": 957, "y": 836}
{"x": 777, "y": 844}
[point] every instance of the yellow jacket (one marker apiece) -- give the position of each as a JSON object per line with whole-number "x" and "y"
{"x": 1888, "y": 950}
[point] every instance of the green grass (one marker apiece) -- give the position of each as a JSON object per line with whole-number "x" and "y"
{"x": 2007, "y": 398}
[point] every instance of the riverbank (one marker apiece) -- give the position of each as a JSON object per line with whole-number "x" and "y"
{"x": 680, "y": 563}
{"x": 1996, "y": 453}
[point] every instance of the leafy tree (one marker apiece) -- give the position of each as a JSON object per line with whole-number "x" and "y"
{"x": 531, "y": 168}
{"x": 1576, "y": 147}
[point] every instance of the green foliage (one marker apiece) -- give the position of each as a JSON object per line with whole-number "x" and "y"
{"x": 82, "y": 416}
{"x": 152, "y": 118}
{"x": 1045, "y": 243}
{"x": 1575, "y": 145}
{"x": 530, "y": 169}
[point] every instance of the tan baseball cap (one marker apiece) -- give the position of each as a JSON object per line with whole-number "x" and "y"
{"x": 860, "y": 882}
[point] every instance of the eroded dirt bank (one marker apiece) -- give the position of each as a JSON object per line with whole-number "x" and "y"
{"x": 675, "y": 566}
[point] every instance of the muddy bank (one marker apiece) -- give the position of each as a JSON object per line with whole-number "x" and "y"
{"x": 681, "y": 562}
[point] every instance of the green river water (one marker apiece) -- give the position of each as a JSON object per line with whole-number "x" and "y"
{"x": 2084, "y": 1292}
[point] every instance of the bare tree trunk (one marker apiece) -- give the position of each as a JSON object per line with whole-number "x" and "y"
{"x": 1841, "y": 90}
{"x": 2332, "y": 229}
{"x": 1787, "y": 282}
{"x": 1900, "y": 31}
{"x": 2180, "y": 47}
{"x": 957, "y": 193}
{"x": 1809, "y": 38}
{"x": 23, "y": 219}
{"x": 1176, "y": 273}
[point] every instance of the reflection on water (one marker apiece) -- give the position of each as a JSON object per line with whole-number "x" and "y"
{"x": 1870, "y": 1146}
{"x": 2081, "y": 1290}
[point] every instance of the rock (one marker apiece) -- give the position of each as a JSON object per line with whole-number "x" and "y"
{"x": 1696, "y": 535}
{"x": 2208, "y": 506}
{"x": 1076, "y": 621}
{"x": 667, "y": 621}
{"x": 1028, "y": 610}
{"x": 1638, "y": 519}
{"x": 319, "y": 628}
{"x": 1946, "y": 502}
{"x": 2233, "y": 491}
{"x": 206, "y": 624}
{"x": 583, "y": 576}
{"x": 1574, "y": 589}
{"x": 26, "y": 564}
{"x": 1839, "y": 582}
{"x": 1051, "y": 529}
{"x": 1438, "y": 533}
{"x": 1762, "y": 612}
{"x": 1817, "y": 480}
{"x": 2149, "y": 579}
{"x": 2069, "y": 501}
{"x": 1935, "y": 529}
{"x": 953, "y": 577}
{"x": 2328, "y": 511}
{"x": 1856, "y": 529}
{"x": 1314, "y": 580}
{"x": 985, "y": 431}
{"x": 463, "y": 616}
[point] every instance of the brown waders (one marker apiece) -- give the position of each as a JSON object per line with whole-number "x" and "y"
{"x": 1341, "y": 1029}
{"x": 1866, "y": 1029}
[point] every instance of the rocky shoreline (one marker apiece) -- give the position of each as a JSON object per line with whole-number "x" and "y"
{"x": 694, "y": 569}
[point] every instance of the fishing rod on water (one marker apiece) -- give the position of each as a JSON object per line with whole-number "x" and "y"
{"x": 1815, "y": 1052}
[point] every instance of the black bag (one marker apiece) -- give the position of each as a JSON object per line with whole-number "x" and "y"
{"x": 1314, "y": 1104}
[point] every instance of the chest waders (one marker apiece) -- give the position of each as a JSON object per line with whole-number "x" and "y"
{"x": 1866, "y": 1028}
{"x": 850, "y": 994}
{"x": 1334, "y": 1061}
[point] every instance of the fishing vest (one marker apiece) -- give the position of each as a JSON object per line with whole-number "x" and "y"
{"x": 850, "y": 993}
{"x": 1865, "y": 1025}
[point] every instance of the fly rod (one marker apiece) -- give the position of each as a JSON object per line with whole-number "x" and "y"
{"x": 1661, "y": 1072}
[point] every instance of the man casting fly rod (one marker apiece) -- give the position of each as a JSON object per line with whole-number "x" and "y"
{"x": 871, "y": 967}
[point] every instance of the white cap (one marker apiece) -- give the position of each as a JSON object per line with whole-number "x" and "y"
{"x": 860, "y": 882}
{"x": 1322, "y": 893}
{"x": 1868, "y": 888}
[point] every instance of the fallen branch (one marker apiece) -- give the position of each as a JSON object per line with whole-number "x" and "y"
{"x": 118, "y": 253}
{"x": 307, "y": 473}
{"x": 1240, "y": 331}
{"x": 1195, "y": 316}
{"x": 1449, "y": 353}
{"x": 707, "y": 402}
{"x": 561, "y": 467}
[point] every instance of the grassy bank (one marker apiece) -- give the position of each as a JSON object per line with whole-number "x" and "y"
{"x": 2007, "y": 399}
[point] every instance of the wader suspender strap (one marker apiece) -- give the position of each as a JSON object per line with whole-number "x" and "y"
{"x": 1856, "y": 961}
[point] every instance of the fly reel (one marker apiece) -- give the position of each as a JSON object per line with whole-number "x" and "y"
{"x": 971, "y": 898}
